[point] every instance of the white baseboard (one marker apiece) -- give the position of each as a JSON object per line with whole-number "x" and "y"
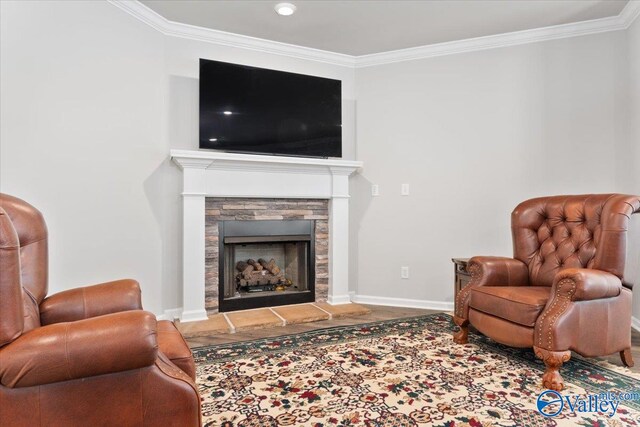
{"x": 170, "y": 314}
{"x": 193, "y": 316}
{"x": 403, "y": 302}
{"x": 635, "y": 323}
{"x": 339, "y": 299}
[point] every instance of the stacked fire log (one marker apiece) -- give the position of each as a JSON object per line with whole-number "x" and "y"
{"x": 261, "y": 275}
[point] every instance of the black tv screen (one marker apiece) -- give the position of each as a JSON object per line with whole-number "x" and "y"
{"x": 255, "y": 110}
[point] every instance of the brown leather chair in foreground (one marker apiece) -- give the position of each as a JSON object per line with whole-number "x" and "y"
{"x": 88, "y": 356}
{"x": 565, "y": 289}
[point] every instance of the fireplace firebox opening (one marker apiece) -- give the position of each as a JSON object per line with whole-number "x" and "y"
{"x": 266, "y": 263}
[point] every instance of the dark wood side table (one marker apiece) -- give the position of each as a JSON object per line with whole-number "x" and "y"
{"x": 462, "y": 276}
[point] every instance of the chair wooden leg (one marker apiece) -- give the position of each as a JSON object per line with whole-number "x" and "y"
{"x": 462, "y": 335}
{"x": 553, "y": 360}
{"x": 627, "y": 358}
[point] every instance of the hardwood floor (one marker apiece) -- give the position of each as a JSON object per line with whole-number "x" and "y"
{"x": 377, "y": 313}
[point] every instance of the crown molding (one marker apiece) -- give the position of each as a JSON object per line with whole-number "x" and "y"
{"x": 630, "y": 13}
{"x": 175, "y": 29}
{"x": 614, "y": 23}
{"x": 192, "y": 32}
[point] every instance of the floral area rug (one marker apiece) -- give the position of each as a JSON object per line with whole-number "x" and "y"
{"x": 404, "y": 372}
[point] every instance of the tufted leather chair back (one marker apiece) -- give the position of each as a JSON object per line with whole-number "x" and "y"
{"x": 585, "y": 231}
{"x": 24, "y": 266}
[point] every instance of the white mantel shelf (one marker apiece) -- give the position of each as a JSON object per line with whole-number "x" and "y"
{"x": 219, "y": 174}
{"x": 235, "y": 161}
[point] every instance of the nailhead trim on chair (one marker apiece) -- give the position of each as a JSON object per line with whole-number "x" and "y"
{"x": 557, "y": 308}
{"x": 463, "y": 295}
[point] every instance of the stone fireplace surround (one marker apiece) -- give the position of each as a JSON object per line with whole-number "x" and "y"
{"x": 247, "y": 209}
{"x": 211, "y": 174}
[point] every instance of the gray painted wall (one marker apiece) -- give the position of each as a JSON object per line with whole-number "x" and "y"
{"x": 474, "y": 134}
{"x": 632, "y": 151}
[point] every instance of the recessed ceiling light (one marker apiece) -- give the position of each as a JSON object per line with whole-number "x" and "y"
{"x": 285, "y": 9}
{"x": 227, "y": 113}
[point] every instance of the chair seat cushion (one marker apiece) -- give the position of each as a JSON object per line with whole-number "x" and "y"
{"x": 518, "y": 304}
{"x": 173, "y": 345}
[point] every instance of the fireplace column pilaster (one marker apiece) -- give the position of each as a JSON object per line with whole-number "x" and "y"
{"x": 339, "y": 236}
{"x": 193, "y": 240}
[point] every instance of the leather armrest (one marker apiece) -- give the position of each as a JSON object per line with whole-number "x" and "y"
{"x": 497, "y": 271}
{"x": 65, "y": 351}
{"x": 489, "y": 271}
{"x": 91, "y": 301}
{"x": 584, "y": 284}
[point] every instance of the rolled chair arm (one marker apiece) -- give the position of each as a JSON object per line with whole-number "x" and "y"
{"x": 490, "y": 271}
{"x": 497, "y": 271}
{"x": 66, "y": 351}
{"x": 91, "y": 301}
{"x": 585, "y": 284}
{"x": 583, "y": 299}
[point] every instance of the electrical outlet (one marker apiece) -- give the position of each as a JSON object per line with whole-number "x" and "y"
{"x": 404, "y": 189}
{"x": 375, "y": 190}
{"x": 404, "y": 272}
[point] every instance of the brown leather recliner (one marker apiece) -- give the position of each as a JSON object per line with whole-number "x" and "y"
{"x": 87, "y": 356}
{"x": 565, "y": 289}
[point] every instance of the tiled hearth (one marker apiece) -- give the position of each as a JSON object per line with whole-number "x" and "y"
{"x": 271, "y": 317}
{"x": 262, "y": 187}
{"x": 251, "y": 209}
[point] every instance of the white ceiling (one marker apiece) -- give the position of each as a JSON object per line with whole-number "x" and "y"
{"x": 363, "y": 27}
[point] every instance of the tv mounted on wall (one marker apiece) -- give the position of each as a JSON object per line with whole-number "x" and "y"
{"x": 256, "y": 110}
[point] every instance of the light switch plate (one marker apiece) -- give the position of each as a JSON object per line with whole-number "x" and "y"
{"x": 404, "y": 272}
{"x": 404, "y": 189}
{"x": 375, "y": 190}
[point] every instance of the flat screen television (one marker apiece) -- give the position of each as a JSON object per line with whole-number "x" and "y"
{"x": 256, "y": 110}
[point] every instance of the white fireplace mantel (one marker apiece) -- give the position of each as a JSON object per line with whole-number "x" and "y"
{"x": 218, "y": 174}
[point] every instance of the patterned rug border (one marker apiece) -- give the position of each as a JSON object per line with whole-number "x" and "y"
{"x": 579, "y": 371}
